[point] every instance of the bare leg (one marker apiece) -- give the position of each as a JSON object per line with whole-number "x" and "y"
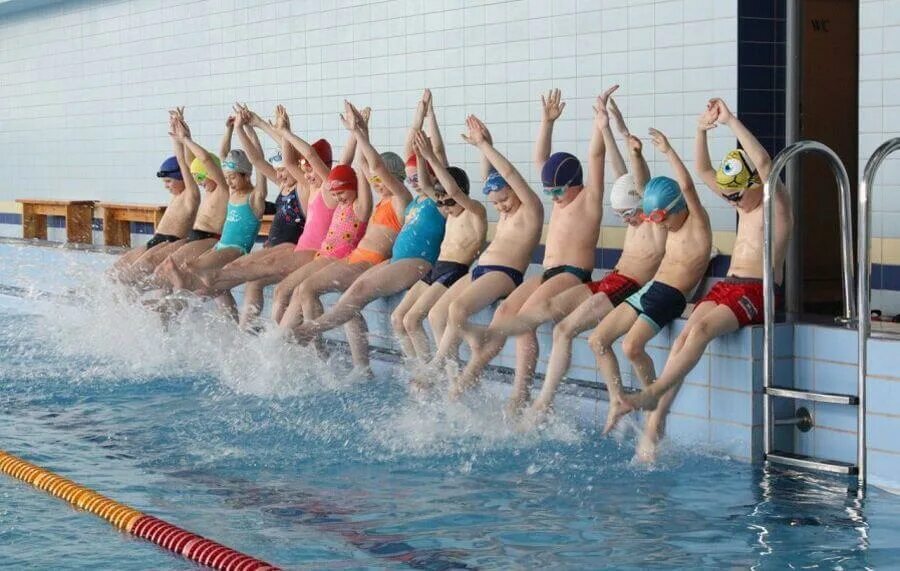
{"x": 150, "y": 259}
{"x": 399, "y": 314}
{"x": 227, "y": 305}
{"x": 334, "y": 277}
{"x": 285, "y": 310}
{"x": 254, "y": 298}
{"x": 412, "y": 322}
{"x": 527, "y": 342}
{"x": 357, "y": 332}
{"x": 275, "y": 264}
{"x": 538, "y": 311}
{"x": 483, "y": 352}
{"x": 439, "y": 314}
{"x": 383, "y": 280}
{"x": 588, "y": 314}
{"x": 191, "y": 250}
{"x": 184, "y": 276}
{"x": 617, "y": 323}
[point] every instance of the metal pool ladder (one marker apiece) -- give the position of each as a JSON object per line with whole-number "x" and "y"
{"x": 770, "y": 389}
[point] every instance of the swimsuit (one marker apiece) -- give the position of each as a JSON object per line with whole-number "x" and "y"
{"x": 383, "y": 215}
{"x": 583, "y": 275}
{"x": 515, "y": 275}
{"x": 344, "y": 233}
{"x": 240, "y": 229}
{"x": 446, "y": 273}
{"x": 201, "y": 235}
{"x": 160, "y": 238}
{"x": 743, "y": 296}
{"x": 318, "y": 220}
{"x": 422, "y": 232}
{"x": 288, "y": 221}
{"x": 657, "y": 303}
{"x": 616, "y": 286}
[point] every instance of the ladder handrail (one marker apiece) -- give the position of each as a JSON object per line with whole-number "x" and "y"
{"x": 864, "y": 286}
{"x": 840, "y": 172}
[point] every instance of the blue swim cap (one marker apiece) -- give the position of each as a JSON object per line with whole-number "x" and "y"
{"x": 169, "y": 169}
{"x": 561, "y": 169}
{"x": 494, "y": 182}
{"x": 663, "y": 193}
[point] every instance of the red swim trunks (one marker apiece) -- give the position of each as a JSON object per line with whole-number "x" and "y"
{"x": 743, "y": 296}
{"x": 616, "y": 286}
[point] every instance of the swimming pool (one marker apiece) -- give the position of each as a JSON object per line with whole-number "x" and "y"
{"x": 265, "y": 449}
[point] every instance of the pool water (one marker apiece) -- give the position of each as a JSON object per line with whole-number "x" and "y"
{"x": 266, "y": 449}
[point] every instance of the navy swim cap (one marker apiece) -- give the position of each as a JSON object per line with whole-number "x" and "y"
{"x": 169, "y": 169}
{"x": 561, "y": 169}
{"x": 663, "y": 193}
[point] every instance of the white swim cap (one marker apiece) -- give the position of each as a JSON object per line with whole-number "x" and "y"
{"x": 624, "y": 195}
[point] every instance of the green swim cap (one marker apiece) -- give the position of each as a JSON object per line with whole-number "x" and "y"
{"x": 199, "y": 169}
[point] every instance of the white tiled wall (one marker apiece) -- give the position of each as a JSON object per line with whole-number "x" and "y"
{"x": 879, "y": 106}
{"x": 85, "y": 85}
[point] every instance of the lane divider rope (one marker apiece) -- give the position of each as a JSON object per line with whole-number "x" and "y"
{"x": 170, "y": 537}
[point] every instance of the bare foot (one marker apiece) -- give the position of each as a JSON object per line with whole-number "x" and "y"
{"x": 303, "y": 334}
{"x": 460, "y": 385}
{"x": 207, "y": 277}
{"x": 534, "y": 416}
{"x": 178, "y": 277}
{"x": 647, "y": 399}
{"x": 645, "y": 452}
{"x": 515, "y": 405}
{"x": 617, "y": 409}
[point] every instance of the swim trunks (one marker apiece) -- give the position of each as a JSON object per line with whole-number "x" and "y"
{"x": 288, "y": 220}
{"x": 657, "y": 304}
{"x": 515, "y": 275}
{"x": 202, "y": 235}
{"x": 446, "y": 273}
{"x": 580, "y": 273}
{"x": 743, "y": 296}
{"x": 616, "y": 286}
{"x": 160, "y": 238}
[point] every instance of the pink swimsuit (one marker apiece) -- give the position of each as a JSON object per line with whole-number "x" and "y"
{"x": 344, "y": 234}
{"x": 318, "y": 220}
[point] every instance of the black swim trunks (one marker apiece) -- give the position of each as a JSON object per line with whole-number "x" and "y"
{"x": 582, "y": 274}
{"x": 515, "y": 275}
{"x": 446, "y": 273}
{"x": 201, "y": 235}
{"x": 658, "y": 304}
{"x": 160, "y": 238}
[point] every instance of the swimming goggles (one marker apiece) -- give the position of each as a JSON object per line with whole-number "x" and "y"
{"x": 166, "y": 174}
{"x": 413, "y": 178}
{"x": 446, "y": 202}
{"x": 230, "y": 165}
{"x": 375, "y": 179}
{"x": 626, "y": 214}
{"x": 735, "y": 196}
{"x": 661, "y": 214}
{"x": 200, "y": 176}
{"x": 555, "y": 191}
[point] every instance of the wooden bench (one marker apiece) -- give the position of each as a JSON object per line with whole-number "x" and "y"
{"x": 79, "y": 215}
{"x": 117, "y": 220}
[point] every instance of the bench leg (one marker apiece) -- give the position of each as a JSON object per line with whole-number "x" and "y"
{"x": 33, "y": 225}
{"x": 79, "y": 223}
{"x": 116, "y": 232}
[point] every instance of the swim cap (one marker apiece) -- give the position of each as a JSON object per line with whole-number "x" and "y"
{"x": 323, "y": 149}
{"x": 624, "y": 194}
{"x": 494, "y": 182}
{"x": 736, "y": 172}
{"x": 394, "y": 164}
{"x": 199, "y": 169}
{"x": 277, "y": 160}
{"x": 561, "y": 169}
{"x": 169, "y": 169}
{"x": 236, "y": 161}
{"x": 412, "y": 162}
{"x": 461, "y": 178}
{"x": 342, "y": 177}
{"x": 663, "y": 193}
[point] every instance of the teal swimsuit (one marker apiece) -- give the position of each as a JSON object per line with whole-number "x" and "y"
{"x": 241, "y": 228}
{"x": 422, "y": 232}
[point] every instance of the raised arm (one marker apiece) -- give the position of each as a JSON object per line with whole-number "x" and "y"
{"x": 354, "y": 122}
{"x": 178, "y": 114}
{"x": 639, "y": 169}
{"x": 251, "y": 145}
{"x": 702, "y": 163}
{"x": 225, "y": 144}
{"x": 418, "y": 120}
{"x": 682, "y": 176}
{"x": 258, "y": 122}
{"x": 477, "y": 136}
{"x": 426, "y": 150}
{"x": 304, "y": 148}
{"x": 434, "y": 132}
{"x": 612, "y": 149}
{"x": 597, "y": 149}
{"x": 350, "y": 148}
{"x": 749, "y": 143}
{"x": 213, "y": 170}
{"x": 190, "y": 185}
{"x": 551, "y": 108}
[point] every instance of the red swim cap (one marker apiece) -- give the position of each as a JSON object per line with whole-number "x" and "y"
{"x": 412, "y": 162}
{"x": 342, "y": 177}
{"x": 323, "y": 149}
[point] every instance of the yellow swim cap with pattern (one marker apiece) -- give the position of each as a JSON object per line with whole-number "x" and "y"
{"x": 198, "y": 169}
{"x": 736, "y": 172}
